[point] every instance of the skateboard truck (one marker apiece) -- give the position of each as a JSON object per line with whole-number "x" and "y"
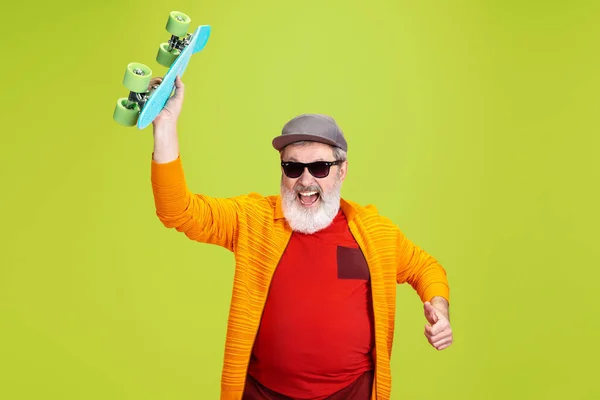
{"x": 139, "y": 98}
{"x": 176, "y": 42}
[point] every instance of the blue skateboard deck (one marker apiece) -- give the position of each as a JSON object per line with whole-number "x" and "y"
{"x": 158, "y": 98}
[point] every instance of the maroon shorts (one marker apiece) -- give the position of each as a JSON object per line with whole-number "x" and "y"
{"x": 360, "y": 389}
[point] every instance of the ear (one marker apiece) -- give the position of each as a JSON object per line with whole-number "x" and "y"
{"x": 343, "y": 170}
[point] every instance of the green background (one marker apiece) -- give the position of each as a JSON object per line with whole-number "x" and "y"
{"x": 472, "y": 124}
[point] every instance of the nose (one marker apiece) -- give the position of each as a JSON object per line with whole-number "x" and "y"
{"x": 306, "y": 178}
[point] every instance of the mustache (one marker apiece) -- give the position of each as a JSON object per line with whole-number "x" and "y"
{"x": 312, "y": 188}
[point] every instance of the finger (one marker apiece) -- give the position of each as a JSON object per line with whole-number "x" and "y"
{"x": 430, "y": 310}
{"x": 439, "y": 327}
{"x": 439, "y": 343}
{"x": 440, "y": 336}
{"x": 433, "y": 330}
{"x": 443, "y": 347}
{"x": 428, "y": 330}
{"x": 179, "y": 88}
{"x": 179, "y": 83}
{"x": 155, "y": 81}
{"x": 430, "y": 313}
{"x": 442, "y": 344}
{"x": 435, "y": 335}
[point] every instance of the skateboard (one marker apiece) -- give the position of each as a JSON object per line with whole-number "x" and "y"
{"x": 144, "y": 103}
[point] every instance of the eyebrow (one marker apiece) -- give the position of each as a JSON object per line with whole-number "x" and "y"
{"x": 293, "y": 159}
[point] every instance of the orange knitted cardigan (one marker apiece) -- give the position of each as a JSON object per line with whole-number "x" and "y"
{"x": 254, "y": 229}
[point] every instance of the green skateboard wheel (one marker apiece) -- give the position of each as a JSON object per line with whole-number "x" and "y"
{"x": 137, "y": 77}
{"x": 178, "y": 23}
{"x": 126, "y": 116}
{"x": 165, "y": 57}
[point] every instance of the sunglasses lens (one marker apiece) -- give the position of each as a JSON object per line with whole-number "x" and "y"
{"x": 319, "y": 169}
{"x": 293, "y": 170}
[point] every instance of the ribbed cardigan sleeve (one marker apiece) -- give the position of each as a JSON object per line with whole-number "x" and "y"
{"x": 201, "y": 218}
{"x": 421, "y": 270}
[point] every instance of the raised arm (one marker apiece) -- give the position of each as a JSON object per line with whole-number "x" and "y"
{"x": 201, "y": 218}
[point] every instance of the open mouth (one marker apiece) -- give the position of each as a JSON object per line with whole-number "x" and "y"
{"x": 308, "y": 198}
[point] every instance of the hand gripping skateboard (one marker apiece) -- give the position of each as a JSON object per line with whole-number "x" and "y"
{"x": 145, "y": 103}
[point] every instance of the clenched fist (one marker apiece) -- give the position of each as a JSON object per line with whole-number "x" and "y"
{"x": 438, "y": 331}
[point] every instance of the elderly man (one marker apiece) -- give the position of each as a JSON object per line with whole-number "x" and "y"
{"x": 314, "y": 295}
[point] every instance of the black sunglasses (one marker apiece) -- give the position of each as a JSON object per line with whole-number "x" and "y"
{"x": 318, "y": 169}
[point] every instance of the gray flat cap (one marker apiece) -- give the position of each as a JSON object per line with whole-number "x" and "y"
{"x": 312, "y": 127}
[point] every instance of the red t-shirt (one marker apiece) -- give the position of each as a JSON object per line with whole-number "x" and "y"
{"x": 316, "y": 334}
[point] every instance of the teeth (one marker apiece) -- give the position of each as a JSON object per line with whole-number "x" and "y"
{"x": 308, "y": 193}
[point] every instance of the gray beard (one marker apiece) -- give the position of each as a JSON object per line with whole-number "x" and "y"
{"x": 313, "y": 219}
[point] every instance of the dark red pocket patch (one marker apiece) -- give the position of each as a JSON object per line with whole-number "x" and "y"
{"x": 351, "y": 263}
